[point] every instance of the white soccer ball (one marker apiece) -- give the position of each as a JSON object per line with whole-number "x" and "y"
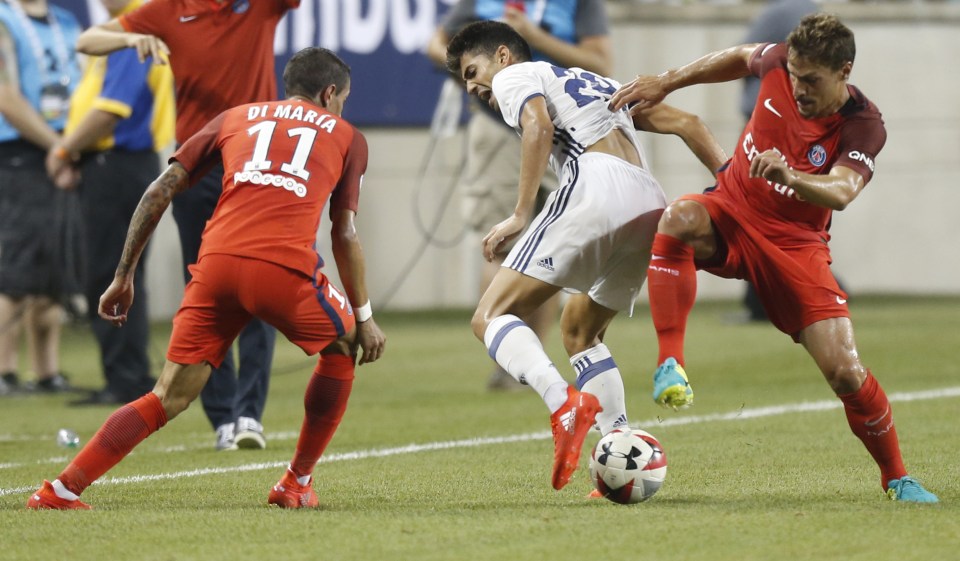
{"x": 628, "y": 466}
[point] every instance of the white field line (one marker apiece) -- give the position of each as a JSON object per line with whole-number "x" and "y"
{"x": 738, "y": 415}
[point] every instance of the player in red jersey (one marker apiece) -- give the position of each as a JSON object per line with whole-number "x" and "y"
{"x": 808, "y": 149}
{"x": 283, "y": 160}
{"x": 221, "y": 54}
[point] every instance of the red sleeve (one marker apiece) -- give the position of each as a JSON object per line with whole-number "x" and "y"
{"x": 150, "y": 19}
{"x": 346, "y": 195}
{"x": 861, "y": 139}
{"x": 767, "y": 57}
{"x": 290, "y": 4}
{"x": 201, "y": 151}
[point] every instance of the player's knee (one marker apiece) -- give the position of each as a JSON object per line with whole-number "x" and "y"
{"x": 845, "y": 378}
{"x": 683, "y": 220}
{"x": 479, "y": 323}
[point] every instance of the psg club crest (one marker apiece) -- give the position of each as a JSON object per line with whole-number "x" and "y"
{"x": 241, "y": 6}
{"x": 817, "y": 155}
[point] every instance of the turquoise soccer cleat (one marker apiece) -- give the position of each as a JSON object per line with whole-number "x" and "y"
{"x": 908, "y": 489}
{"x": 670, "y": 385}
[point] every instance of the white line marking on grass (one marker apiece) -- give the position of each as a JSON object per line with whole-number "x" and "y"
{"x": 740, "y": 414}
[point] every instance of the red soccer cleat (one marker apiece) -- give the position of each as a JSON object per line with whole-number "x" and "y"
{"x": 287, "y": 493}
{"x": 46, "y": 498}
{"x": 570, "y": 425}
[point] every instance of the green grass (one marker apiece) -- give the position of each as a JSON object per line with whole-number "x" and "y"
{"x": 781, "y": 487}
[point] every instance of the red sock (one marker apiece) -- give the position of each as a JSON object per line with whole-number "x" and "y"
{"x": 324, "y": 404}
{"x": 871, "y": 419}
{"x": 672, "y": 284}
{"x": 123, "y": 430}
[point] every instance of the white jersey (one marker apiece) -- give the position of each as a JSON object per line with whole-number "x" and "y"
{"x": 576, "y": 101}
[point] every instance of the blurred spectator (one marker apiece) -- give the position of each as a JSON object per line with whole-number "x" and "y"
{"x": 120, "y": 115}
{"x": 221, "y": 54}
{"x": 38, "y": 71}
{"x": 574, "y": 33}
{"x": 772, "y": 25}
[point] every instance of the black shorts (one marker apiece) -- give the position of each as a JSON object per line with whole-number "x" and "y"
{"x": 39, "y": 231}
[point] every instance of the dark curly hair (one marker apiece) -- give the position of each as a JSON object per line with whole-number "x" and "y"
{"x": 485, "y": 37}
{"x": 823, "y": 40}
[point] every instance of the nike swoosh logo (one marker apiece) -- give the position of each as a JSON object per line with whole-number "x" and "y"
{"x": 185, "y": 19}
{"x": 841, "y": 301}
{"x": 766, "y": 104}
{"x": 656, "y": 257}
{"x": 880, "y": 418}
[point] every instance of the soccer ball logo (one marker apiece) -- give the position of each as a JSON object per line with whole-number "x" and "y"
{"x": 628, "y": 466}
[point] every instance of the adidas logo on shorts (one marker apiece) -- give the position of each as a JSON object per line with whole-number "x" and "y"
{"x": 546, "y": 263}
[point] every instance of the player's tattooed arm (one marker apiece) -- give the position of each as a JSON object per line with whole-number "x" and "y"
{"x": 152, "y": 205}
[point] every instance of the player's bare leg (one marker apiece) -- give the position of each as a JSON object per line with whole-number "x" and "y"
{"x": 178, "y": 386}
{"x": 685, "y": 232}
{"x": 516, "y": 348}
{"x": 832, "y": 345}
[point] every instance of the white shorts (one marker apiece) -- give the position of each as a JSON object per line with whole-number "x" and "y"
{"x": 595, "y": 233}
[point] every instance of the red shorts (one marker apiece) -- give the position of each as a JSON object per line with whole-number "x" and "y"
{"x": 227, "y": 291}
{"x": 794, "y": 284}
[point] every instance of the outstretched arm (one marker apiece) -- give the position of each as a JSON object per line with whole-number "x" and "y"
{"x": 664, "y": 119}
{"x": 118, "y": 297}
{"x": 108, "y": 37}
{"x": 348, "y": 253}
{"x": 719, "y": 66}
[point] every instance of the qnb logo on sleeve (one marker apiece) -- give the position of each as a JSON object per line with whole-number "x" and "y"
{"x": 861, "y": 157}
{"x": 271, "y": 179}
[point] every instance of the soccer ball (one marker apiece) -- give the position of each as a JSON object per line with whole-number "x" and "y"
{"x": 628, "y": 466}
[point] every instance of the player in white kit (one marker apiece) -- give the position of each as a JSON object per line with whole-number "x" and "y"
{"x": 592, "y": 238}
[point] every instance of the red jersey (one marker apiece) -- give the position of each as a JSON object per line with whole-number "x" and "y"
{"x": 221, "y": 54}
{"x": 852, "y": 138}
{"x": 281, "y": 162}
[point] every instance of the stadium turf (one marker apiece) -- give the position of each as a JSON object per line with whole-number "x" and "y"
{"x": 429, "y": 466}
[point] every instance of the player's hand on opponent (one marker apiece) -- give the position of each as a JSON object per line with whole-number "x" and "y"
{"x": 771, "y": 166}
{"x": 371, "y": 339}
{"x": 640, "y": 93}
{"x": 116, "y": 301}
{"x": 501, "y": 233}
{"x": 148, "y": 46}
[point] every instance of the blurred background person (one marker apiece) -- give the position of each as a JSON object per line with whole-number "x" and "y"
{"x": 221, "y": 54}
{"x": 121, "y": 114}
{"x": 38, "y": 72}
{"x": 574, "y": 33}
{"x": 772, "y": 25}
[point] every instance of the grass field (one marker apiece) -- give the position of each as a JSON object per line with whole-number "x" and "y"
{"x": 429, "y": 466}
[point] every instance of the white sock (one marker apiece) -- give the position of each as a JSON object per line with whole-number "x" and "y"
{"x": 516, "y": 348}
{"x": 63, "y": 492}
{"x": 301, "y": 479}
{"x": 598, "y": 374}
